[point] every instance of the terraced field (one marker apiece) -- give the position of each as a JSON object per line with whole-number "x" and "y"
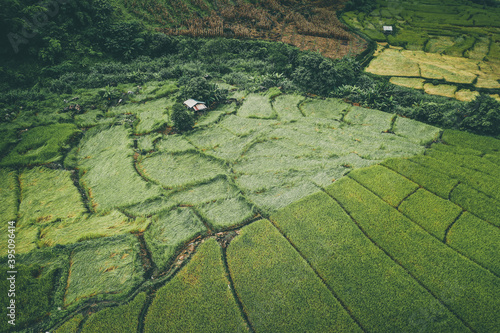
{"x": 453, "y": 43}
{"x": 274, "y": 214}
{"x": 437, "y": 74}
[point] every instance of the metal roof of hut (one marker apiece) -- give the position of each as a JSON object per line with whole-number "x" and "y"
{"x": 387, "y": 29}
{"x": 195, "y": 105}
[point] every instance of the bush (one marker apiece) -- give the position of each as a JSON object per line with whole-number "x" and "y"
{"x": 201, "y": 89}
{"x": 482, "y": 116}
{"x": 321, "y": 75}
{"x": 182, "y": 119}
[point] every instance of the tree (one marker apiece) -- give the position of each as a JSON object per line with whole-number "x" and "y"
{"x": 182, "y": 119}
{"x": 482, "y": 116}
{"x": 200, "y": 89}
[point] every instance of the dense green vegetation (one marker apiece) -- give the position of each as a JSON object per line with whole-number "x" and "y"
{"x": 308, "y": 197}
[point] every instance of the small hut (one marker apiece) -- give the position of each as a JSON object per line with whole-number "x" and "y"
{"x": 387, "y": 29}
{"x": 195, "y": 105}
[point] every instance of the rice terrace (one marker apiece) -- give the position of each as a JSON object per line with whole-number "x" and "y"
{"x": 250, "y": 166}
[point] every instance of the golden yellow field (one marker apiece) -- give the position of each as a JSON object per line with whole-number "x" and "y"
{"x": 411, "y": 68}
{"x": 440, "y": 89}
{"x": 409, "y": 82}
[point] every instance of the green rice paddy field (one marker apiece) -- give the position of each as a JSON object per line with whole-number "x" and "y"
{"x": 274, "y": 214}
{"x": 456, "y": 43}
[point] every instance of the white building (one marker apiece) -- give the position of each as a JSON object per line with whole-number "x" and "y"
{"x": 195, "y": 105}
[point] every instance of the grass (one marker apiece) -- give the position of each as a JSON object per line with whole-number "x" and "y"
{"x": 477, "y": 203}
{"x": 27, "y": 238}
{"x": 174, "y": 144}
{"x": 493, "y": 158}
{"x": 198, "y": 299}
{"x": 41, "y": 145}
{"x": 9, "y": 194}
{"x": 89, "y": 227}
{"x": 48, "y": 196}
{"x": 92, "y": 118}
{"x": 431, "y": 180}
{"x": 431, "y": 212}
{"x": 278, "y": 290}
{"x": 459, "y": 150}
{"x": 9, "y": 137}
{"x": 277, "y": 197}
{"x": 226, "y": 213}
{"x": 479, "y": 181}
{"x": 378, "y": 120}
{"x": 287, "y": 107}
{"x": 107, "y": 171}
{"x": 210, "y": 137}
{"x": 415, "y": 131}
{"x": 451, "y": 69}
{"x": 392, "y": 63}
{"x": 155, "y": 118}
{"x": 440, "y": 89}
{"x": 465, "y": 288}
{"x": 415, "y": 68}
{"x": 227, "y": 171}
{"x": 275, "y": 163}
{"x": 170, "y": 231}
{"x": 180, "y": 170}
{"x": 123, "y": 318}
{"x": 466, "y": 95}
{"x": 409, "y": 82}
{"x": 104, "y": 269}
{"x": 330, "y": 108}
{"x": 380, "y": 294}
{"x": 457, "y": 28}
{"x": 385, "y": 183}
{"x": 472, "y": 162}
{"x": 257, "y": 106}
{"x": 215, "y": 115}
{"x": 146, "y": 143}
{"x": 241, "y": 126}
{"x": 150, "y": 207}
{"x": 476, "y": 239}
{"x": 218, "y": 189}
{"x": 232, "y": 151}
{"x": 472, "y": 141}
